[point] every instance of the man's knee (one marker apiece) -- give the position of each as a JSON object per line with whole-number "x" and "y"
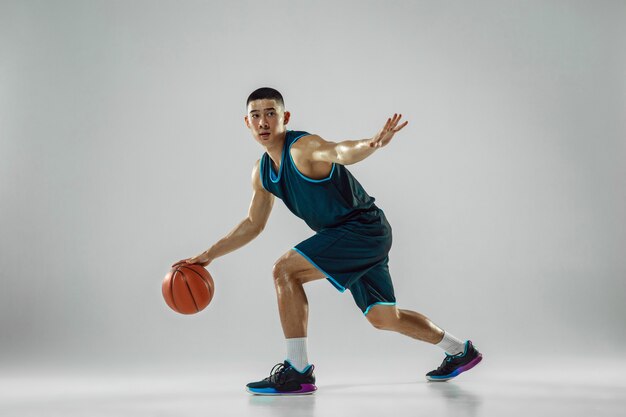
{"x": 283, "y": 270}
{"x": 383, "y": 317}
{"x": 292, "y": 268}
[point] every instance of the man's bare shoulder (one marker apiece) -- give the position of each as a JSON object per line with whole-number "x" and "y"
{"x": 306, "y": 145}
{"x": 256, "y": 167}
{"x": 314, "y": 149}
{"x": 256, "y": 176}
{"x": 308, "y": 141}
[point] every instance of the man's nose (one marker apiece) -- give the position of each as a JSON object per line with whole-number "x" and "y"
{"x": 263, "y": 122}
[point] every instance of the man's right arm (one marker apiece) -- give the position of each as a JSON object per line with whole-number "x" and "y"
{"x": 249, "y": 228}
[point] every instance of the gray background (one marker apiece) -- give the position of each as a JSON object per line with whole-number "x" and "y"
{"x": 123, "y": 149}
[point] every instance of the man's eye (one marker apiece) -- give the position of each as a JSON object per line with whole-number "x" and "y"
{"x": 254, "y": 116}
{"x": 271, "y": 113}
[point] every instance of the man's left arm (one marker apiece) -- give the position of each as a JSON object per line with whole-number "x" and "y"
{"x": 350, "y": 152}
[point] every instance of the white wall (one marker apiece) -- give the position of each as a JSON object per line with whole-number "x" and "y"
{"x": 123, "y": 149}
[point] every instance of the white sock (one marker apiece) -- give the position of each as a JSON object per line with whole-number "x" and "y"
{"x": 451, "y": 344}
{"x": 296, "y": 353}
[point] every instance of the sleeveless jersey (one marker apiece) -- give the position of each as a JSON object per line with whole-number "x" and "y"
{"x": 322, "y": 203}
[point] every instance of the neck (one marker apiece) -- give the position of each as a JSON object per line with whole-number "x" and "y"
{"x": 275, "y": 149}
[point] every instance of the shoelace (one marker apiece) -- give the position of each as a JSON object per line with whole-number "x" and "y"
{"x": 445, "y": 362}
{"x": 448, "y": 359}
{"x": 277, "y": 374}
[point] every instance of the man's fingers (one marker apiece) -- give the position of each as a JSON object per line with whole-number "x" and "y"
{"x": 394, "y": 120}
{"x": 390, "y": 128}
{"x": 401, "y": 126}
{"x": 395, "y": 129}
{"x": 182, "y": 261}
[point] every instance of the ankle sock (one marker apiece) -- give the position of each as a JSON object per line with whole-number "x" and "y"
{"x": 451, "y": 344}
{"x": 296, "y": 353}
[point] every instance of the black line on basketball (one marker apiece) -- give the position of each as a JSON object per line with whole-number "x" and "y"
{"x": 191, "y": 293}
{"x": 172, "y": 289}
{"x": 206, "y": 282}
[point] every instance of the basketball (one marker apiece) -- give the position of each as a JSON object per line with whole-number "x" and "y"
{"x": 188, "y": 288}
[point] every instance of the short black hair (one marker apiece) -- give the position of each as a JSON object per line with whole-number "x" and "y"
{"x": 266, "y": 93}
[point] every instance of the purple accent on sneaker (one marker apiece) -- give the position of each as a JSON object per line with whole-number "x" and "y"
{"x": 458, "y": 370}
{"x": 470, "y": 365}
{"x": 306, "y": 388}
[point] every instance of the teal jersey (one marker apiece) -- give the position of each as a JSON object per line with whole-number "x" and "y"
{"x": 322, "y": 203}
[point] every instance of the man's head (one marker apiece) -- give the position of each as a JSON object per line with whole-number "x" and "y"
{"x": 266, "y": 93}
{"x": 266, "y": 116}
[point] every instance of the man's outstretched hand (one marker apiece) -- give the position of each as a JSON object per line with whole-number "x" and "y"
{"x": 203, "y": 260}
{"x": 385, "y": 135}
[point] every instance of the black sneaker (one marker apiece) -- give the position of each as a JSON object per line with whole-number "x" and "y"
{"x": 453, "y": 365}
{"x": 285, "y": 380}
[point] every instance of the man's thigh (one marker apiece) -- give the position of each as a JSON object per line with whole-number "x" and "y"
{"x": 295, "y": 265}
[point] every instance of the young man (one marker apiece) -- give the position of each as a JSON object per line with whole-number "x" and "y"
{"x": 349, "y": 249}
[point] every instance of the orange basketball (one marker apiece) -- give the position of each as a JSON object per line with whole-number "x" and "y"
{"x": 188, "y": 288}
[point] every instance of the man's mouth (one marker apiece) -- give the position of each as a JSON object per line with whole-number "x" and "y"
{"x": 264, "y": 135}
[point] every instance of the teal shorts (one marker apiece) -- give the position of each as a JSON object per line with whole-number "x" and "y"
{"x": 355, "y": 256}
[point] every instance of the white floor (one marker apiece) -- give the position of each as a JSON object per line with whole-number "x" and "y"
{"x": 572, "y": 388}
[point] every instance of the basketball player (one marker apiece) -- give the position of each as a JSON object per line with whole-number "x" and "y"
{"x": 350, "y": 247}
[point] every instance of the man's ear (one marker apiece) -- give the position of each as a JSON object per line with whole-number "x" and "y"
{"x": 286, "y": 117}
{"x": 245, "y": 119}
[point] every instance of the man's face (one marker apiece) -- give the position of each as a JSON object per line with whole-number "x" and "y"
{"x": 266, "y": 119}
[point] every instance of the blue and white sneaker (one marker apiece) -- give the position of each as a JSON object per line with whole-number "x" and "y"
{"x": 454, "y": 365}
{"x": 284, "y": 379}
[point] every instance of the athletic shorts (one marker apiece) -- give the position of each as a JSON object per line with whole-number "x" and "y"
{"x": 355, "y": 256}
